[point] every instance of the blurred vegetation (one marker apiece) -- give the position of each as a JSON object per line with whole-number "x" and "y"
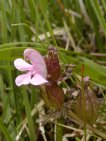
{"x": 76, "y": 27}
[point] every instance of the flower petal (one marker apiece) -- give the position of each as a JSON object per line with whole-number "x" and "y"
{"x": 38, "y": 80}
{"x": 23, "y": 79}
{"x": 21, "y": 65}
{"x": 86, "y": 78}
{"x": 37, "y": 61}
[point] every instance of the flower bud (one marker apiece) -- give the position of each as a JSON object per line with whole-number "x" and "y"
{"x": 55, "y": 95}
{"x": 52, "y": 63}
{"x": 91, "y": 105}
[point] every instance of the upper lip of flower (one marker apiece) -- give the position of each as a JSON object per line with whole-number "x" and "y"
{"x": 36, "y": 72}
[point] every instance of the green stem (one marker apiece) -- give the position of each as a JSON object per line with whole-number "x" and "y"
{"x": 28, "y": 113}
{"x": 59, "y": 130}
{"x": 83, "y": 103}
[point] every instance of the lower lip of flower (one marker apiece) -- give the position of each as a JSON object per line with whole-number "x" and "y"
{"x": 31, "y": 73}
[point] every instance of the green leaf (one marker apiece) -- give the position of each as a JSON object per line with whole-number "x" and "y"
{"x": 4, "y": 131}
{"x": 96, "y": 6}
{"x": 12, "y": 53}
{"x": 95, "y": 71}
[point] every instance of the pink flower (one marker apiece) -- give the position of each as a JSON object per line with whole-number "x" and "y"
{"x": 35, "y": 73}
{"x": 86, "y": 79}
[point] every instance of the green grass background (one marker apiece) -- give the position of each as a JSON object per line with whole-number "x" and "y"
{"x": 22, "y": 25}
